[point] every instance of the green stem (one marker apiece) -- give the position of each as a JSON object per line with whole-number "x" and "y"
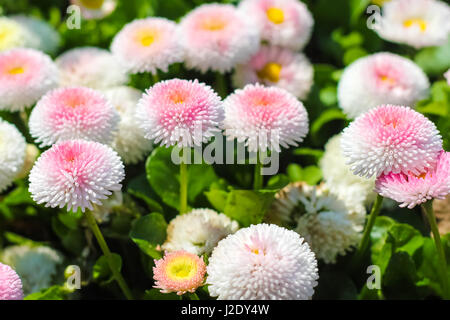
{"x": 183, "y": 185}
{"x": 155, "y": 77}
{"x": 366, "y": 235}
{"x": 102, "y": 243}
{"x": 221, "y": 85}
{"x": 258, "y": 179}
{"x": 428, "y": 208}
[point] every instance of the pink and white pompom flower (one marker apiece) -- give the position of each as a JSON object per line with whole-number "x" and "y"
{"x": 277, "y": 66}
{"x": 90, "y": 67}
{"x": 411, "y": 190}
{"x": 10, "y": 284}
{"x": 12, "y": 153}
{"x": 286, "y": 23}
{"x": 76, "y": 174}
{"x": 381, "y": 78}
{"x": 179, "y": 272}
{"x": 265, "y": 118}
{"x": 95, "y": 9}
{"x": 180, "y": 112}
{"x": 217, "y": 37}
{"x": 25, "y": 75}
{"x": 418, "y": 23}
{"x": 73, "y": 113}
{"x": 146, "y": 45}
{"x": 262, "y": 262}
{"x": 393, "y": 139}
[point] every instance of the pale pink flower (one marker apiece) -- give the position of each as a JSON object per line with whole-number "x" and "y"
{"x": 390, "y": 138}
{"x": 265, "y": 118}
{"x": 418, "y": 23}
{"x": 262, "y": 262}
{"x": 286, "y": 23}
{"x": 25, "y": 75}
{"x": 73, "y": 113}
{"x": 180, "y": 272}
{"x": 90, "y": 67}
{"x": 180, "y": 112}
{"x": 10, "y": 284}
{"x": 381, "y": 78}
{"x": 277, "y": 66}
{"x": 76, "y": 173}
{"x": 217, "y": 37}
{"x": 412, "y": 189}
{"x": 146, "y": 45}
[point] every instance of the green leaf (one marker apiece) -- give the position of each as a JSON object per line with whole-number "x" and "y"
{"x": 163, "y": 176}
{"x": 217, "y": 198}
{"x": 148, "y": 232}
{"x": 316, "y": 153}
{"x": 434, "y": 60}
{"x": 277, "y": 182}
{"x": 245, "y": 206}
{"x": 328, "y": 95}
{"x": 399, "y": 277}
{"x": 140, "y": 188}
{"x": 326, "y": 117}
{"x": 102, "y": 272}
{"x": 155, "y": 294}
{"x": 353, "y": 54}
{"x": 310, "y": 174}
{"x": 52, "y": 293}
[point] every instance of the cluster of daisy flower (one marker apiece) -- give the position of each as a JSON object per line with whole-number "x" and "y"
{"x": 37, "y": 267}
{"x": 403, "y": 150}
{"x": 259, "y": 262}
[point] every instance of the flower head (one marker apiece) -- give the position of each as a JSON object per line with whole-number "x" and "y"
{"x": 95, "y": 9}
{"x": 182, "y": 112}
{"x": 76, "y": 173}
{"x": 414, "y": 189}
{"x": 217, "y": 37}
{"x": 12, "y": 153}
{"x": 90, "y": 67}
{"x": 277, "y": 66}
{"x": 129, "y": 142}
{"x": 418, "y": 23}
{"x": 36, "y": 266}
{"x": 145, "y": 45}
{"x": 10, "y": 284}
{"x": 12, "y": 34}
{"x": 286, "y": 23}
{"x": 179, "y": 272}
{"x": 326, "y": 223}
{"x": 198, "y": 231}
{"x": 390, "y": 138}
{"x": 353, "y": 190}
{"x": 265, "y": 118}
{"x": 25, "y": 75}
{"x": 262, "y": 262}
{"x": 73, "y": 113}
{"x": 381, "y": 78}
{"x": 40, "y": 35}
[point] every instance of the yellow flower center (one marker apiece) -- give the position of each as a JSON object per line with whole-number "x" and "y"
{"x": 271, "y": 72}
{"x": 16, "y": 70}
{"x": 380, "y": 2}
{"x": 92, "y": 4}
{"x": 213, "y": 25}
{"x": 146, "y": 37}
{"x": 388, "y": 80}
{"x": 181, "y": 268}
{"x": 415, "y": 22}
{"x": 422, "y": 175}
{"x": 275, "y": 15}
